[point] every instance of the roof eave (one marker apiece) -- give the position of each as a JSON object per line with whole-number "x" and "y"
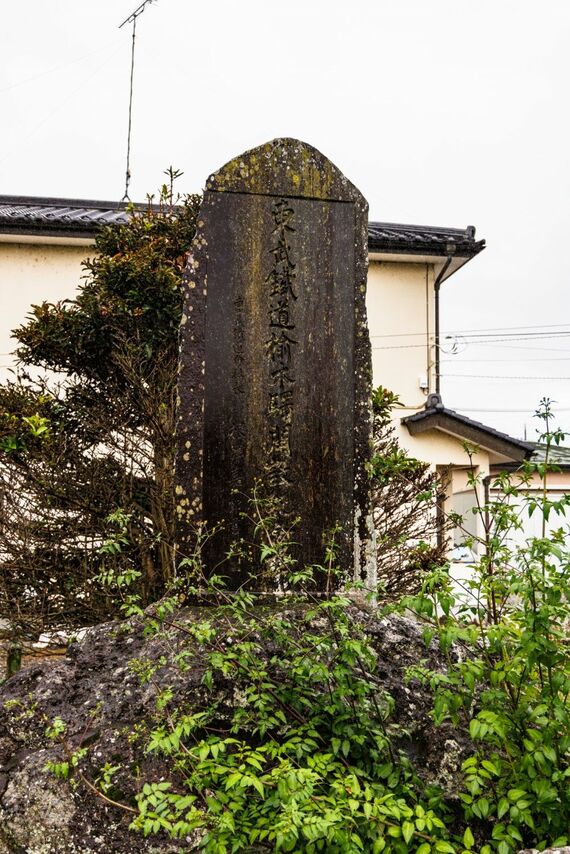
{"x": 51, "y": 202}
{"x": 452, "y": 423}
{"x": 25, "y": 229}
{"x": 438, "y": 261}
{"x": 465, "y": 248}
{"x": 69, "y": 218}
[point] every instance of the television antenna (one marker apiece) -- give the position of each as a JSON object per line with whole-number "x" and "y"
{"x": 132, "y": 18}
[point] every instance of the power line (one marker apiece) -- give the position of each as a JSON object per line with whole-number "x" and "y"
{"x": 524, "y": 349}
{"x": 55, "y": 68}
{"x": 529, "y": 409}
{"x": 459, "y": 361}
{"x": 502, "y": 328}
{"x": 486, "y": 340}
{"x": 516, "y": 336}
{"x": 499, "y": 377}
{"x": 451, "y": 332}
{"x": 61, "y": 104}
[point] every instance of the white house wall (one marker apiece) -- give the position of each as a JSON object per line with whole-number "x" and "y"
{"x": 400, "y": 303}
{"x": 401, "y": 320}
{"x": 31, "y": 273}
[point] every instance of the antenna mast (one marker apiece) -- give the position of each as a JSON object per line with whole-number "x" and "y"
{"x": 132, "y": 19}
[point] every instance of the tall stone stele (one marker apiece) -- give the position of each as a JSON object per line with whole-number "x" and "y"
{"x": 274, "y": 383}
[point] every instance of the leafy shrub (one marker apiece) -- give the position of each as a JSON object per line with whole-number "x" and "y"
{"x": 411, "y": 533}
{"x": 511, "y": 688}
{"x": 311, "y": 758}
{"x": 93, "y": 429}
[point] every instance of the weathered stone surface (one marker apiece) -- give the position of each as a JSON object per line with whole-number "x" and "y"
{"x": 564, "y": 850}
{"x": 274, "y": 382}
{"x": 101, "y": 698}
{"x": 96, "y": 693}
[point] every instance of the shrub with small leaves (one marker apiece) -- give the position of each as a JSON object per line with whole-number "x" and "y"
{"x": 293, "y": 743}
{"x": 511, "y": 686}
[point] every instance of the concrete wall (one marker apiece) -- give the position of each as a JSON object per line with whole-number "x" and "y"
{"x": 400, "y": 301}
{"x": 400, "y": 304}
{"x": 401, "y": 309}
{"x": 31, "y": 273}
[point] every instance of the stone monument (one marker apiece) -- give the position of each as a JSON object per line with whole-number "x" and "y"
{"x": 274, "y": 382}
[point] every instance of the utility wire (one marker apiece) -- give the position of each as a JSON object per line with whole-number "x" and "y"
{"x": 483, "y": 330}
{"x": 499, "y": 377}
{"x": 524, "y": 349}
{"x": 487, "y": 340}
{"x": 517, "y": 336}
{"x": 55, "y": 68}
{"x": 504, "y": 328}
{"x": 62, "y": 104}
{"x": 529, "y": 409}
{"x": 459, "y": 361}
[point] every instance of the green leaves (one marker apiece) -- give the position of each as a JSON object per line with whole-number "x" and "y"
{"x": 510, "y": 680}
{"x": 38, "y": 425}
{"x": 312, "y": 766}
{"x": 290, "y": 743}
{"x": 96, "y": 432}
{"x": 408, "y": 830}
{"x": 309, "y": 766}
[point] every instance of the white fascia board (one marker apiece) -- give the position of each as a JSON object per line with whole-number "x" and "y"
{"x": 45, "y": 239}
{"x": 411, "y": 258}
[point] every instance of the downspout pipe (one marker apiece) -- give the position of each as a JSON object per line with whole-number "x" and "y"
{"x": 486, "y": 499}
{"x": 437, "y": 286}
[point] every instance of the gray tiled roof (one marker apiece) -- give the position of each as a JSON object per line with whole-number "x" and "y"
{"x": 436, "y": 416}
{"x": 64, "y": 217}
{"x": 81, "y": 217}
{"x": 558, "y": 454}
{"x": 422, "y": 239}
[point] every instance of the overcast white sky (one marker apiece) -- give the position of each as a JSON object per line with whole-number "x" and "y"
{"x": 442, "y": 112}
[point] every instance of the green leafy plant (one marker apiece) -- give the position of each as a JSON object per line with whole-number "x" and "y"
{"x": 511, "y": 687}
{"x": 309, "y": 756}
{"x": 88, "y": 427}
{"x": 411, "y": 533}
{"x": 310, "y": 759}
{"x": 306, "y": 761}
